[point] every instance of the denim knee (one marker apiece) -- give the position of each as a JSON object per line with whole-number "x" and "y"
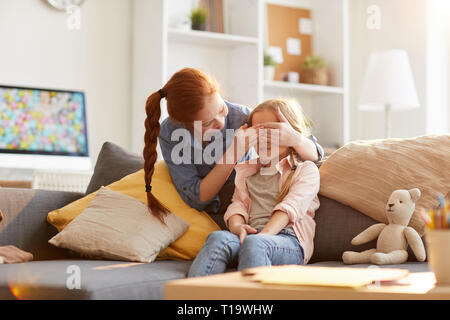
{"x": 253, "y": 253}
{"x": 218, "y": 251}
{"x": 218, "y": 236}
{"x": 253, "y": 245}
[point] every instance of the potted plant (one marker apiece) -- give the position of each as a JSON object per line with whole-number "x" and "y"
{"x": 198, "y": 19}
{"x": 269, "y": 67}
{"x": 314, "y": 70}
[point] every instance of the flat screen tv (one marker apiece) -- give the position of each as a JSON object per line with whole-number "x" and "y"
{"x": 36, "y": 121}
{"x": 42, "y": 121}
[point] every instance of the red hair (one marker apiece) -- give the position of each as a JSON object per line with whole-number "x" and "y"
{"x": 185, "y": 93}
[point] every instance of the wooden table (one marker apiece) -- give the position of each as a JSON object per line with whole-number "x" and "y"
{"x": 235, "y": 286}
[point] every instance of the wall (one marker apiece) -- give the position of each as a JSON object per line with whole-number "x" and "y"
{"x": 37, "y": 49}
{"x": 438, "y": 13}
{"x": 403, "y": 26}
{"x": 149, "y": 63}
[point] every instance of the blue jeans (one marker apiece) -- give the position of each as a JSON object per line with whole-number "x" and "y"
{"x": 223, "y": 250}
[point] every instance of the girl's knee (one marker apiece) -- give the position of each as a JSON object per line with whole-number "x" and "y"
{"x": 219, "y": 237}
{"x": 253, "y": 243}
{"x": 253, "y": 253}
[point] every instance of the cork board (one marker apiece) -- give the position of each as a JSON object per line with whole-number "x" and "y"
{"x": 283, "y": 23}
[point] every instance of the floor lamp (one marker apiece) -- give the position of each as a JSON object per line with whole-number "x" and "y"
{"x": 388, "y": 85}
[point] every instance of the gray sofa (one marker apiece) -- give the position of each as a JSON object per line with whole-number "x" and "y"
{"x": 49, "y": 275}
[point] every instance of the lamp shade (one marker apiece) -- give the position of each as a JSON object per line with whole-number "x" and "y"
{"x": 388, "y": 81}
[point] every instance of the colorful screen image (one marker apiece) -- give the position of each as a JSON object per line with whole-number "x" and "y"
{"x": 42, "y": 121}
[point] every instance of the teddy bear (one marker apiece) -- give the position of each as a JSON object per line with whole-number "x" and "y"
{"x": 394, "y": 237}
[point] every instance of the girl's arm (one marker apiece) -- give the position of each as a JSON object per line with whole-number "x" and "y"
{"x": 213, "y": 182}
{"x": 278, "y": 221}
{"x": 302, "y": 192}
{"x": 235, "y": 222}
{"x": 198, "y": 192}
{"x": 306, "y": 148}
{"x": 237, "y": 226}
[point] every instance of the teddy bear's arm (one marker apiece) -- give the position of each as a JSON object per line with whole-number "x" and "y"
{"x": 415, "y": 242}
{"x": 369, "y": 234}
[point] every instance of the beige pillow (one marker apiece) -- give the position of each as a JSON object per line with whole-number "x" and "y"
{"x": 363, "y": 174}
{"x": 118, "y": 227}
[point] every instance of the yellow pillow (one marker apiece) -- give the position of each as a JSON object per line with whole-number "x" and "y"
{"x": 133, "y": 185}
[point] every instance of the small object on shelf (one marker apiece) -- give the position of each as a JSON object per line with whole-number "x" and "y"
{"x": 198, "y": 18}
{"x": 215, "y": 18}
{"x": 293, "y": 77}
{"x": 269, "y": 67}
{"x": 185, "y": 25}
{"x": 314, "y": 70}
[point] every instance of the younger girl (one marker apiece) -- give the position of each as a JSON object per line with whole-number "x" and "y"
{"x": 192, "y": 95}
{"x": 271, "y": 217}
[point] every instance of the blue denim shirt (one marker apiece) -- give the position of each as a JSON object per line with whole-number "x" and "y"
{"x": 187, "y": 176}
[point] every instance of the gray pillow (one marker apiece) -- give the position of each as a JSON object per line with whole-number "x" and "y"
{"x": 113, "y": 163}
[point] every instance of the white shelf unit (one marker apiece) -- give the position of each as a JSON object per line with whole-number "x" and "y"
{"x": 301, "y": 88}
{"x": 327, "y": 106}
{"x": 235, "y": 58}
{"x": 201, "y": 38}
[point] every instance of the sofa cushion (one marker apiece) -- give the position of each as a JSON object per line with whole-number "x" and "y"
{"x": 118, "y": 227}
{"x": 363, "y": 174}
{"x": 99, "y": 279}
{"x": 133, "y": 185}
{"x": 336, "y": 226}
{"x": 113, "y": 163}
{"x": 24, "y": 224}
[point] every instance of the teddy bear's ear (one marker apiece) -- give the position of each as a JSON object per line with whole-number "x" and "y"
{"x": 415, "y": 194}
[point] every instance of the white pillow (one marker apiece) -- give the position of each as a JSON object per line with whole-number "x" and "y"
{"x": 118, "y": 227}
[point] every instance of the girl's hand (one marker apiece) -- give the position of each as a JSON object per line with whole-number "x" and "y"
{"x": 242, "y": 231}
{"x": 287, "y": 136}
{"x": 244, "y": 139}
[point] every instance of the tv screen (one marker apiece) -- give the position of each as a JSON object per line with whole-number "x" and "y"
{"x": 42, "y": 121}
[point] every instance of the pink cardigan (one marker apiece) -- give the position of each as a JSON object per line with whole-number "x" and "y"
{"x": 300, "y": 203}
